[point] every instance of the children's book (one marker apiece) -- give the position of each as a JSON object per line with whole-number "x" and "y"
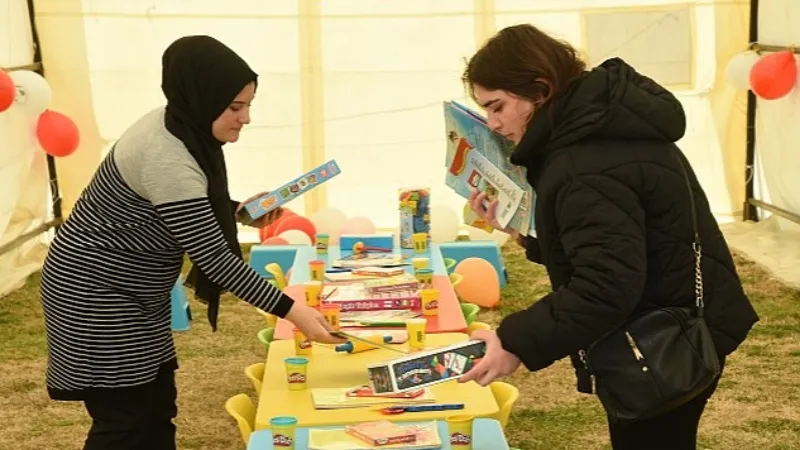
{"x": 341, "y": 398}
{"x": 427, "y": 437}
{"x": 289, "y": 191}
{"x": 479, "y": 158}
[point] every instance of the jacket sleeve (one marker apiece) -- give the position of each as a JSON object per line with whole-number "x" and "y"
{"x": 531, "y": 246}
{"x": 605, "y": 243}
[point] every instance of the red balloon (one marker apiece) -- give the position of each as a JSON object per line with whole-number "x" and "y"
{"x": 58, "y": 135}
{"x": 296, "y": 222}
{"x": 269, "y": 230}
{"x": 774, "y": 75}
{"x": 275, "y": 240}
{"x": 8, "y": 90}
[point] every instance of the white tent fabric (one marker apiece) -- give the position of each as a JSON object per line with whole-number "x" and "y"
{"x": 775, "y": 242}
{"x": 362, "y": 82}
{"x": 23, "y": 167}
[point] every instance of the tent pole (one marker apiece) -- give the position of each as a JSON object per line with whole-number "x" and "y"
{"x": 749, "y": 211}
{"x": 51, "y": 163}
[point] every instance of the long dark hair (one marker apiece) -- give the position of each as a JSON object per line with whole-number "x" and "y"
{"x": 525, "y": 61}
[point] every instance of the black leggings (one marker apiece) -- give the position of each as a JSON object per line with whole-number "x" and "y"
{"x": 673, "y": 430}
{"x": 135, "y": 418}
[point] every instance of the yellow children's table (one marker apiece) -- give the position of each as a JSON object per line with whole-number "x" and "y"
{"x": 329, "y": 369}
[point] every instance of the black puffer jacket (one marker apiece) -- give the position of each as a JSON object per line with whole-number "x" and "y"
{"x": 613, "y": 219}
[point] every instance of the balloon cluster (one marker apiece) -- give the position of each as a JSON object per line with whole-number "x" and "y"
{"x": 30, "y": 93}
{"x": 770, "y": 77}
{"x": 291, "y": 228}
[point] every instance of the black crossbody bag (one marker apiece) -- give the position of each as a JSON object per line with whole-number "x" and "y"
{"x": 657, "y": 361}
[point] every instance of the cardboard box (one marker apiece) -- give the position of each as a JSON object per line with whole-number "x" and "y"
{"x": 425, "y": 368}
{"x": 284, "y": 194}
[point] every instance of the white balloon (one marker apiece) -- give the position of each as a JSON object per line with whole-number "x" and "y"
{"x": 33, "y": 92}
{"x": 738, "y": 69}
{"x": 444, "y": 224}
{"x": 476, "y": 234}
{"x": 329, "y": 221}
{"x": 296, "y": 237}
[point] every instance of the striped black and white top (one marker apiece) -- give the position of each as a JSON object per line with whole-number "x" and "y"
{"x": 109, "y": 272}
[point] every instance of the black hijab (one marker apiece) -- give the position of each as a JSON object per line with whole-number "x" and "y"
{"x": 200, "y": 78}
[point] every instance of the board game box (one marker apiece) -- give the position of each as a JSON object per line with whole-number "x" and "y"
{"x": 425, "y": 368}
{"x": 284, "y": 194}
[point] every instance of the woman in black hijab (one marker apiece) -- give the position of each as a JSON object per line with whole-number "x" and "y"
{"x": 161, "y": 192}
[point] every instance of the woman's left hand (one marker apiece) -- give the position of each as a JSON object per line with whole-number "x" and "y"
{"x": 497, "y": 362}
{"x": 262, "y": 221}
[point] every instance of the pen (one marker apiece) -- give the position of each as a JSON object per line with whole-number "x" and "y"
{"x": 421, "y": 408}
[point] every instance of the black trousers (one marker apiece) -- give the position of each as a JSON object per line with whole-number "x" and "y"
{"x": 673, "y": 430}
{"x": 136, "y": 418}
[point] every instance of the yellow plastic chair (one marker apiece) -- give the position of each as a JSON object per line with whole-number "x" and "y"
{"x": 275, "y": 270}
{"x": 242, "y": 409}
{"x": 272, "y": 319}
{"x": 255, "y": 372}
{"x": 505, "y": 395}
{"x": 475, "y": 326}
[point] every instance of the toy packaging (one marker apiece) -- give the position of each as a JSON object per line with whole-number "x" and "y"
{"x": 356, "y": 297}
{"x": 415, "y": 214}
{"x": 425, "y": 368}
{"x": 277, "y": 198}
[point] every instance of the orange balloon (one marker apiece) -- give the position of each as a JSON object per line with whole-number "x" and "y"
{"x": 8, "y": 90}
{"x": 774, "y": 75}
{"x": 480, "y": 285}
{"x": 58, "y": 135}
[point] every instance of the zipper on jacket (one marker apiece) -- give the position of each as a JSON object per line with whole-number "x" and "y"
{"x": 636, "y": 352}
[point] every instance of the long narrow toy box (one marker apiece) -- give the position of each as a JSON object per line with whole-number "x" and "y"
{"x": 426, "y": 368}
{"x": 284, "y": 194}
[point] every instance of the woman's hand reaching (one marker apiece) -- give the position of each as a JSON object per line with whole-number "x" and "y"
{"x": 312, "y": 323}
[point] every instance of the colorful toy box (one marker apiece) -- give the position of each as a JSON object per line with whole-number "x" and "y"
{"x": 279, "y": 197}
{"x": 415, "y": 214}
{"x": 425, "y": 368}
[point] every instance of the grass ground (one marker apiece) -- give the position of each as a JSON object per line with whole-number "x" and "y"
{"x": 756, "y": 406}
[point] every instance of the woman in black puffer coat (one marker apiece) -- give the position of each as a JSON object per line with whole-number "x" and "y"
{"x": 613, "y": 214}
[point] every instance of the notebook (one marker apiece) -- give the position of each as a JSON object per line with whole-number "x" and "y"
{"x": 338, "y": 439}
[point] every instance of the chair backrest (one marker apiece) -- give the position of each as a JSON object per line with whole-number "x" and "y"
{"x": 266, "y": 335}
{"x": 277, "y": 273}
{"x": 505, "y": 395}
{"x": 272, "y": 319}
{"x": 470, "y": 311}
{"x": 449, "y": 264}
{"x": 475, "y": 326}
{"x": 456, "y": 279}
{"x": 242, "y": 409}
{"x": 255, "y": 372}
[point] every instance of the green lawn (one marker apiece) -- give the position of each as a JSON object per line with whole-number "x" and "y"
{"x": 756, "y": 406}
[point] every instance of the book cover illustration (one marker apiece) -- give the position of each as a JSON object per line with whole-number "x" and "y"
{"x": 474, "y": 171}
{"x": 438, "y": 367}
{"x": 468, "y": 134}
{"x": 425, "y": 368}
{"x": 289, "y": 191}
